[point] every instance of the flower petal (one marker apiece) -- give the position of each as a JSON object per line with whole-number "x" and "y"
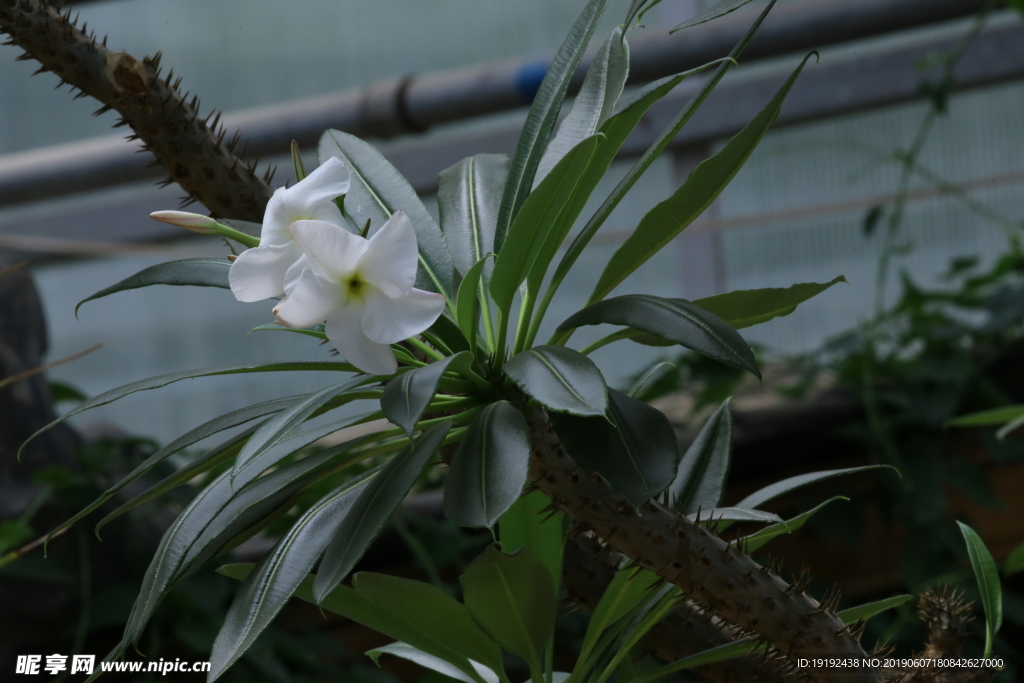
{"x": 388, "y": 321}
{"x": 259, "y": 273}
{"x": 310, "y": 198}
{"x": 391, "y": 257}
{"x": 311, "y": 301}
{"x": 347, "y": 336}
{"x": 293, "y": 273}
{"x": 333, "y": 251}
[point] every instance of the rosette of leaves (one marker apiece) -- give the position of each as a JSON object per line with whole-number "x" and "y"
{"x": 509, "y": 414}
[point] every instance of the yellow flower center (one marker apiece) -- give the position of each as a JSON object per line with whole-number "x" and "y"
{"x": 354, "y": 286}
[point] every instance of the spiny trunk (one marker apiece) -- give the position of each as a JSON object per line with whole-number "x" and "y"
{"x": 702, "y": 565}
{"x": 192, "y": 149}
{"x": 684, "y": 632}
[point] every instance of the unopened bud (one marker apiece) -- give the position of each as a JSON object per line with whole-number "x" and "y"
{"x": 204, "y": 225}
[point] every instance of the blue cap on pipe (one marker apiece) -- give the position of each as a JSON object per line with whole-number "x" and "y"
{"x": 529, "y": 78}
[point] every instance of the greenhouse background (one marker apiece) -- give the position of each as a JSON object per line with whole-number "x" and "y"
{"x": 795, "y": 212}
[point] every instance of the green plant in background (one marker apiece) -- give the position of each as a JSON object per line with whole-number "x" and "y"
{"x": 425, "y": 316}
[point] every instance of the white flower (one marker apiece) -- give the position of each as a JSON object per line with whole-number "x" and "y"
{"x": 362, "y": 288}
{"x": 260, "y": 273}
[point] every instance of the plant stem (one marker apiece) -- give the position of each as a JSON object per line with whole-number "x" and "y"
{"x": 428, "y": 350}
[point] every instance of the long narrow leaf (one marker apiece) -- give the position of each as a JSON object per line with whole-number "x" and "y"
{"x": 541, "y": 119}
{"x": 779, "y": 488}
{"x": 266, "y": 590}
{"x": 164, "y": 380}
{"x": 468, "y": 196}
{"x": 705, "y": 465}
{"x": 540, "y": 212}
{"x": 530, "y": 524}
{"x": 757, "y": 540}
{"x": 407, "y": 396}
{"x": 991, "y": 590}
{"x": 374, "y": 507}
{"x": 747, "y": 307}
{"x": 195, "y": 272}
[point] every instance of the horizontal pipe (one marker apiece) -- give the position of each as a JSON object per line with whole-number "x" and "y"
{"x": 389, "y": 108}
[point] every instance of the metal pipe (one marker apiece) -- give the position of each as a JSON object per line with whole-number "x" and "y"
{"x": 414, "y": 104}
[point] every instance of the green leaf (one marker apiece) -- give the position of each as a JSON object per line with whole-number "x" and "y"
{"x": 348, "y": 603}
{"x": 779, "y": 488}
{"x": 736, "y": 514}
{"x": 759, "y": 539}
{"x": 628, "y": 589}
{"x": 217, "y": 515}
{"x": 468, "y": 196}
{"x": 489, "y": 469}
{"x": 277, "y": 427}
{"x": 377, "y": 191}
{"x": 1014, "y": 562}
{"x": 427, "y": 661}
{"x": 431, "y": 610}
{"x": 705, "y": 465}
{"x": 870, "y": 609}
{"x": 748, "y": 307}
{"x": 195, "y": 272}
{"x": 987, "y": 575}
{"x": 677, "y": 320}
{"x": 985, "y": 418}
{"x": 652, "y": 372}
{"x": 467, "y": 306}
{"x": 560, "y": 379}
{"x": 539, "y": 213}
{"x": 360, "y": 432}
{"x": 594, "y": 103}
{"x": 374, "y": 507}
{"x": 163, "y": 380}
{"x": 317, "y": 331}
{"x": 513, "y": 600}
{"x": 628, "y": 114}
{"x": 266, "y": 590}
{"x": 447, "y": 331}
{"x": 408, "y": 395}
{"x": 542, "y": 117}
{"x": 193, "y": 436}
{"x": 530, "y": 524}
{"x": 635, "y": 448}
{"x": 719, "y": 9}
{"x": 666, "y": 220}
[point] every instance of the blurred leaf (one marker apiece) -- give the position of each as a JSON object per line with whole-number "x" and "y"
{"x": 719, "y": 9}
{"x": 748, "y": 307}
{"x": 669, "y": 218}
{"x": 700, "y": 480}
{"x": 196, "y": 272}
{"x": 560, "y": 379}
{"x": 985, "y": 418}
{"x": 871, "y": 219}
{"x": 655, "y": 372}
{"x": 61, "y": 391}
{"x": 634, "y": 447}
{"x": 408, "y": 395}
{"x": 489, "y": 470}
{"x": 987, "y": 575}
{"x": 317, "y": 331}
{"x": 377, "y": 191}
{"x": 513, "y": 600}
{"x": 374, "y": 507}
{"x": 736, "y": 514}
{"x": 542, "y": 117}
{"x": 677, "y": 320}
{"x": 1015, "y": 561}
{"x": 530, "y": 524}
{"x": 779, "y": 488}
{"x": 431, "y": 610}
{"x": 468, "y": 197}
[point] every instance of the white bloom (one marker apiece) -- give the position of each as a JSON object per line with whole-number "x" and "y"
{"x": 362, "y": 288}
{"x": 260, "y": 273}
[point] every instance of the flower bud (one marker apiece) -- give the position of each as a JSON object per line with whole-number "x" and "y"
{"x": 204, "y": 225}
